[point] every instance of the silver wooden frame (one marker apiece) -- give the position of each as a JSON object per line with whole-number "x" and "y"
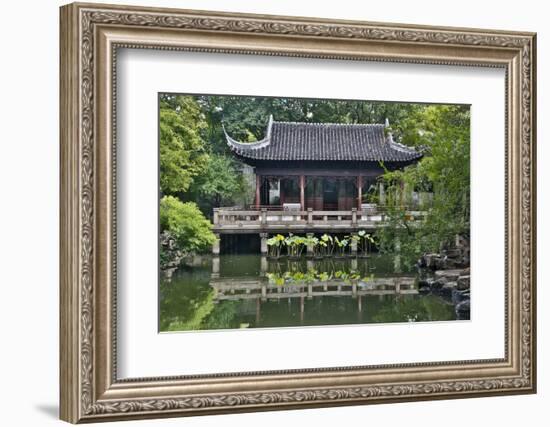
{"x": 90, "y": 36}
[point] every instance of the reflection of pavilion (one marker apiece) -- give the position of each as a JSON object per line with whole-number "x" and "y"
{"x": 235, "y": 288}
{"x": 263, "y": 288}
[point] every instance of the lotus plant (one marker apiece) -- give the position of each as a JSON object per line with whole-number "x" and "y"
{"x": 342, "y": 245}
{"x": 274, "y": 245}
{"x": 295, "y": 245}
{"x": 313, "y": 242}
{"x": 365, "y": 240}
{"x": 327, "y": 244}
{"x": 322, "y": 246}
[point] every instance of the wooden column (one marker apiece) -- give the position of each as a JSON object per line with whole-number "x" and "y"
{"x": 302, "y": 193}
{"x": 258, "y": 184}
{"x": 359, "y": 191}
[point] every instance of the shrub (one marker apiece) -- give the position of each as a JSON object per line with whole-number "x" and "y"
{"x": 192, "y": 232}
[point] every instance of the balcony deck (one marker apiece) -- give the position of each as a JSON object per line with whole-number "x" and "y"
{"x": 232, "y": 221}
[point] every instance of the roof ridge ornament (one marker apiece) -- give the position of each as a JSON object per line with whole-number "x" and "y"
{"x": 388, "y": 132}
{"x": 396, "y": 145}
{"x": 269, "y": 126}
{"x": 238, "y": 145}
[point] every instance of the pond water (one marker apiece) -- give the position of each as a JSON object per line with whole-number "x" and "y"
{"x": 250, "y": 291}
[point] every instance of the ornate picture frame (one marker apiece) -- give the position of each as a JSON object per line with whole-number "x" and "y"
{"x": 90, "y": 37}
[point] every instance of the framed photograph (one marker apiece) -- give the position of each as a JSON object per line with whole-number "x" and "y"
{"x": 266, "y": 212}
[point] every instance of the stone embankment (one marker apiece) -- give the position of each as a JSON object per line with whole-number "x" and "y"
{"x": 448, "y": 274}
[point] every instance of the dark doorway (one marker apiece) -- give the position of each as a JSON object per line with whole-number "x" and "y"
{"x": 330, "y": 194}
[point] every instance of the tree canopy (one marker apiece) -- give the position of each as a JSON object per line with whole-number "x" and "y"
{"x": 220, "y": 182}
{"x": 182, "y": 149}
{"x": 443, "y": 131}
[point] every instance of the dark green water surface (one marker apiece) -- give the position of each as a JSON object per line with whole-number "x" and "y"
{"x": 248, "y": 291}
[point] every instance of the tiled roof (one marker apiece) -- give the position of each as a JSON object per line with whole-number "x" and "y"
{"x": 324, "y": 141}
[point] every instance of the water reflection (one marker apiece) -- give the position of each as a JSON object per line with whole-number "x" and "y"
{"x": 249, "y": 291}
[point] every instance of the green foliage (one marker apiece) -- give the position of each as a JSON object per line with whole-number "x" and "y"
{"x": 185, "y": 222}
{"x": 327, "y": 245}
{"x": 364, "y": 241}
{"x": 182, "y": 151}
{"x": 223, "y": 317}
{"x": 295, "y": 245}
{"x": 275, "y": 244}
{"x": 313, "y": 242}
{"x": 184, "y": 307}
{"x": 444, "y": 132}
{"x": 192, "y": 165}
{"x": 219, "y": 183}
{"x": 341, "y": 244}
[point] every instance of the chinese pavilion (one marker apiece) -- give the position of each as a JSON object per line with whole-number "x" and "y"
{"x": 322, "y": 166}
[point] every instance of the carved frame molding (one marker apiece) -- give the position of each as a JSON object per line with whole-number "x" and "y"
{"x": 90, "y": 37}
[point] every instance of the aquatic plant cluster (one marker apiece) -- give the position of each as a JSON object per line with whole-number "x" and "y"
{"x": 324, "y": 246}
